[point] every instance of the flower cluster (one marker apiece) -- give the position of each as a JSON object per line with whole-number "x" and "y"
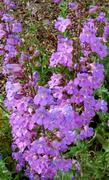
{"x": 90, "y": 42}
{"x": 47, "y": 119}
{"x": 63, "y": 56}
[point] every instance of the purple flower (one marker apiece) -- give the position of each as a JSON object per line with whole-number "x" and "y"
{"x": 97, "y": 71}
{"x": 70, "y": 87}
{"x": 98, "y": 47}
{"x": 101, "y": 17}
{"x": 62, "y": 164}
{"x": 10, "y": 4}
{"x": 55, "y": 80}
{"x": 62, "y": 58}
{"x": 83, "y": 80}
{"x": 63, "y": 55}
{"x": 106, "y": 31}
{"x": 12, "y": 51}
{"x": 41, "y": 117}
{"x": 77, "y": 97}
{"x": 73, "y": 177}
{"x": 36, "y": 76}
{"x": 55, "y": 117}
{"x": 39, "y": 146}
{"x": 89, "y": 27}
{"x": 24, "y": 57}
{"x": 64, "y": 45}
{"x": 58, "y": 92}
{"x": 1, "y": 26}
{"x": 7, "y": 18}
{"x": 2, "y": 33}
{"x": 57, "y": 1}
{"x": 102, "y": 105}
{"x": 70, "y": 137}
{"x": 61, "y": 24}
{"x": 36, "y": 53}
{"x": 12, "y": 89}
{"x": 73, "y": 5}
{"x": 86, "y": 133}
{"x": 13, "y": 40}
{"x": 13, "y": 68}
{"x": 93, "y": 9}
{"x": 2, "y": 52}
{"x": 43, "y": 97}
{"x": 88, "y": 36}
{"x": 16, "y": 27}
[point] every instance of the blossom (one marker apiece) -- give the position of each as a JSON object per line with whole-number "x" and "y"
{"x": 55, "y": 80}
{"x": 93, "y": 9}
{"x": 106, "y": 31}
{"x": 64, "y": 45}
{"x": 12, "y": 51}
{"x": 13, "y": 39}
{"x": 43, "y": 97}
{"x": 13, "y": 68}
{"x": 63, "y": 55}
{"x": 2, "y": 33}
{"x": 98, "y": 47}
{"x": 24, "y": 57}
{"x": 41, "y": 117}
{"x": 102, "y": 105}
{"x": 56, "y": 1}
{"x": 101, "y": 17}
{"x": 10, "y": 4}
{"x": 61, "y": 58}
{"x": 12, "y": 89}
{"x": 73, "y": 5}
{"x": 86, "y": 133}
{"x": 61, "y": 24}
{"x": 16, "y": 27}
{"x": 7, "y": 18}
{"x": 95, "y": 43}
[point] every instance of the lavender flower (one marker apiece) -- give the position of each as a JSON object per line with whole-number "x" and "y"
{"x": 101, "y": 17}
{"x": 61, "y": 24}
{"x": 93, "y": 9}
{"x": 55, "y": 80}
{"x": 106, "y": 31}
{"x": 73, "y": 5}
{"x": 43, "y": 97}
{"x": 2, "y": 33}
{"x": 63, "y": 55}
{"x": 57, "y": 1}
{"x": 86, "y": 133}
{"x": 16, "y": 27}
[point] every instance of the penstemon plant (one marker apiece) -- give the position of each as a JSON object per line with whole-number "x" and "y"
{"x": 48, "y": 120}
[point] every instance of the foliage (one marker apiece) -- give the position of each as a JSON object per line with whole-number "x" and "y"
{"x": 4, "y": 173}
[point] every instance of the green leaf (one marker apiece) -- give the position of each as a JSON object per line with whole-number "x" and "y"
{"x": 64, "y": 176}
{"x": 63, "y": 9}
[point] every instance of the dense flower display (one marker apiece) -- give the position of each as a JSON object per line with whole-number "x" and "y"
{"x": 46, "y": 120}
{"x": 63, "y": 55}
